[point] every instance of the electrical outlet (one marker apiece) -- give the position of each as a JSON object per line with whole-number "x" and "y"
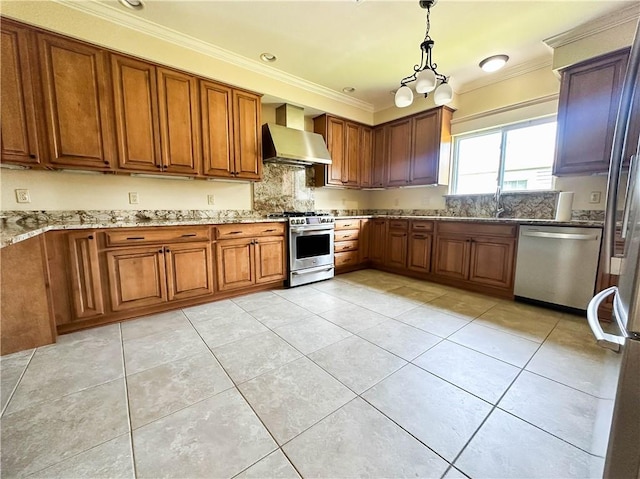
{"x": 396, "y": 202}
{"x": 594, "y": 197}
{"x": 133, "y": 198}
{"x": 211, "y": 199}
{"x": 22, "y": 196}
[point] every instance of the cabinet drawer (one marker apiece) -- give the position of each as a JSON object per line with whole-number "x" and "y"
{"x": 346, "y": 235}
{"x": 160, "y": 235}
{"x": 475, "y": 229}
{"x": 422, "y": 225}
{"x": 348, "y": 258}
{"x": 345, "y": 246}
{"x": 347, "y": 224}
{"x": 398, "y": 224}
{"x": 245, "y": 230}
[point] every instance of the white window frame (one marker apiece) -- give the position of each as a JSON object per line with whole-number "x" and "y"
{"x": 453, "y": 185}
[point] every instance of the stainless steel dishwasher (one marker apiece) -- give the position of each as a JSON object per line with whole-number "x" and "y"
{"x": 557, "y": 264}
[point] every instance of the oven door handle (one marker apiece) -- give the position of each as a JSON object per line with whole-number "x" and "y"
{"x": 311, "y": 228}
{"x": 311, "y": 270}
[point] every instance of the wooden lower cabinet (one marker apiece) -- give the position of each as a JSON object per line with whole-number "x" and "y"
{"x": 246, "y": 262}
{"x": 396, "y": 256}
{"x": 84, "y": 269}
{"x": 378, "y": 240}
{"x": 479, "y": 256}
{"x": 419, "y": 259}
{"x": 189, "y": 271}
{"x": 350, "y": 245}
{"x": 137, "y": 277}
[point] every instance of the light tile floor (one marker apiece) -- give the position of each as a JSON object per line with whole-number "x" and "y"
{"x": 366, "y": 375}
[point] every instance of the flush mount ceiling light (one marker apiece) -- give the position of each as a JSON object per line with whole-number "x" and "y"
{"x": 494, "y": 63}
{"x": 268, "y": 57}
{"x": 425, "y": 74}
{"x": 348, "y": 89}
{"x": 134, "y": 4}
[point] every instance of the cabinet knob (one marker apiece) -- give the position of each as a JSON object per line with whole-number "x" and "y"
{"x": 158, "y": 166}
{"x": 159, "y": 251}
{"x": 32, "y": 156}
{"x": 90, "y": 237}
{"x": 167, "y": 250}
{"x": 106, "y": 162}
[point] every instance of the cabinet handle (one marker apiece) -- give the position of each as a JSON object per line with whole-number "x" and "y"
{"x": 235, "y": 232}
{"x": 347, "y": 236}
{"x": 90, "y": 237}
{"x": 346, "y": 226}
{"x": 269, "y": 231}
{"x": 419, "y": 236}
{"x": 189, "y": 235}
{"x": 348, "y": 260}
{"x": 135, "y": 238}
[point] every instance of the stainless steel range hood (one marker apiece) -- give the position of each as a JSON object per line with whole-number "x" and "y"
{"x": 287, "y": 142}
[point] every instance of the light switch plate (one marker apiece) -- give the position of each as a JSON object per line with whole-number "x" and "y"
{"x": 133, "y": 198}
{"x": 23, "y": 196}
{"x": 594, "y": 197}
{"x": 211, "y": 199}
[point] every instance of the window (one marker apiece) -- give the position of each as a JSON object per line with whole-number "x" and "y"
{"x": 516, "y": 157}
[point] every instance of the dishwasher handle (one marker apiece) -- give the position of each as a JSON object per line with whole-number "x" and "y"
{"x": 606, "y": 340}
{"x": 568, "y": 236}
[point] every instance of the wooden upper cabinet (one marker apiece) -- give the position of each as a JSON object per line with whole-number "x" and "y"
{"x": 19, "y": 138}
{"x": 588, "y": 105}
{"x": 430, "y": 148}
{"x": 366, "y": 157}
{"x": 136, "y": 111}
{"x": 77, "y": 100}
{"x": 352, "y": 151}
{"x": 399, "y": 153}
{"x": 247, "y": 135}
{"x": 217, "y": 126}
{"x": 379, "y": 157}
{"x": 333, "y": 131}
{"x": 179, "y": 121}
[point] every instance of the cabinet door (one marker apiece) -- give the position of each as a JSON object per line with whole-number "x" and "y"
{"x": 18, "y": 128}
{"x": 587, "y": 109}
{"x": 420, "y": 252}
{"x": 179, "y": 121}
{"x": 352, "y": 153}
{"x": 396, "y": 249}
{"x": 452, "y": 256}
{"x": 378, "y": 241}
{"x": 379, "y": 157}
{"x": 84, "y": 266}
{"x": 364, "y": 241}
{"x": 399, "y": 153}
{"x": 217, "y": 125}
{"x": 136, "y": 110}
{"x": 77, "y": 97}
{"x": 425, "y": 152}
{"x": 492, "y": 261}
{"x": 189, "y": 270}
{"x": 137, "y": 277}
{"x": 247, "y": 135}
{"x": 270, "y": 259}
{"x": 366, "y": 158}
{"x": 335, "y": 144}
{"x": 235, "y": 264}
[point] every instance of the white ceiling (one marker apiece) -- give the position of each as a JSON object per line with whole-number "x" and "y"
{"x": 371, "y": 45}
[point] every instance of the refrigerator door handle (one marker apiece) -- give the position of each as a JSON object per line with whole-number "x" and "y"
{"x": 606, "y": 340}
{"x": 633, "y": 163}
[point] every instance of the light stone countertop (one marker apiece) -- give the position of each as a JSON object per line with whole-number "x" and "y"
{"x": 466, "y": 219}
{"x": 14, "y": 232}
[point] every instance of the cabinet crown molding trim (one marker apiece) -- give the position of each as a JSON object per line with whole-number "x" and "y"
{"x": 114, "y": 15}
{"x": 620, "y": 17}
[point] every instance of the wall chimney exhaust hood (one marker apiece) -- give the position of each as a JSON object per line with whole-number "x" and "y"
{"x": 287, "y": 142}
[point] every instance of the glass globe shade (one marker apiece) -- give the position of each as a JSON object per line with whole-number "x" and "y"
{"x": 425, "y": 81}
{"x": 443, "y": 94}
{"x": 404, "y": 97}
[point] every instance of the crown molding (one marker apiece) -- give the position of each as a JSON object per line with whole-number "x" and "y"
{"x": 146, "y": 27}
{"x": 615, "y": 19}
{"x": 506, "y": 74}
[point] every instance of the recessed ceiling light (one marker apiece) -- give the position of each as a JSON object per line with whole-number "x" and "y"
{"x": 348, "y": 89}
{"x": 493, "y": 63}
{"x": 268, "y": 57}
{"x": 134, "y": 4}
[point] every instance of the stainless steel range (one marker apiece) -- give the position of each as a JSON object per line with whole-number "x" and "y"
{"x": 310, "y": 247}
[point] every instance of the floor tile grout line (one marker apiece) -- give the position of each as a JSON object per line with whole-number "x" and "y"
{"x": 15, "y": 388}
{"x": 128, "y": 406}
{"x": 495, "y": 406}
{"x": 540, "y": 375}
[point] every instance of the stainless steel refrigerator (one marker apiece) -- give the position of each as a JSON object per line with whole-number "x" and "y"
{"x": 623, "y": 451}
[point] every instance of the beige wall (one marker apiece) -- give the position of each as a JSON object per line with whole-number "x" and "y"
{"x": 342, "y": 199}
{"x": 419, "y": 197}
{"x": 54, "y": 190}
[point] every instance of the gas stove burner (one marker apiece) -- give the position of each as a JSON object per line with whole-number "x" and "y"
{"x": 295, "y": 214}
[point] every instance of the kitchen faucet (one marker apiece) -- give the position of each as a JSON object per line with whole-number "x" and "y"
{"x": 497, "y": 198}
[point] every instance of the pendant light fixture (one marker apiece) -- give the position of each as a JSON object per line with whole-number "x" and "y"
{"x": 425, "y": 74}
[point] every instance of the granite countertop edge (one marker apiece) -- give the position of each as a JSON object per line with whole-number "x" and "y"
{"x": 12, "y": 233}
